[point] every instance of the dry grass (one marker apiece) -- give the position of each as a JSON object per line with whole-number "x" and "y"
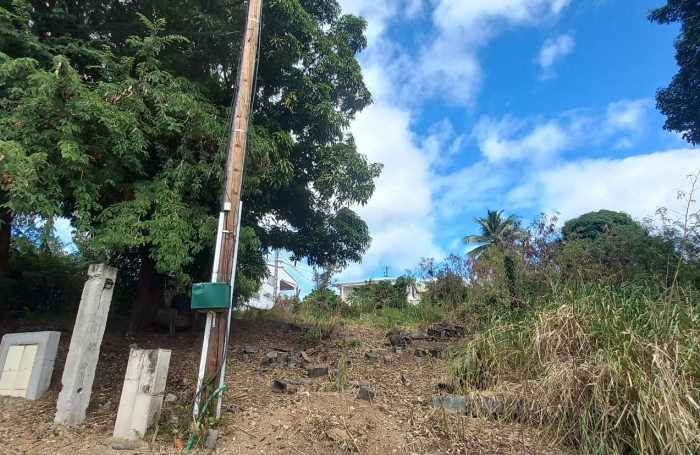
{"x": 606, "y": 371}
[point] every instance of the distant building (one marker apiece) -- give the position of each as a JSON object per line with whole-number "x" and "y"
{"x": 346, "y": 289}
{"x": 264, "y": 298}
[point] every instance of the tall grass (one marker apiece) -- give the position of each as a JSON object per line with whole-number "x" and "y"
{"x": 609, "y": 369}
{"x": 410, "y": 316}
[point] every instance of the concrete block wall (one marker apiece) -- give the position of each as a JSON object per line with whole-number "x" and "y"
{"x": 142, "y": 392}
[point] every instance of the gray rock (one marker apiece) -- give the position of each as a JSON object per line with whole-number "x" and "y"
{"x": 417, "y": 335}
{"x": 437, "y": 353}
{"x": 451, "y": 403}
{"x": 395, "y": 340}
{"x": 248, "y": 351}
{"x": 398, "y": 349}
{"x": 372, "y": 356}
{"x": 491, "y": 404}
{"x": 127, "y": 445}
{"x": 212, "y": 434}
{"x": 317, "y": 371}
{"x": 305, "y": 356}
{"x": 279, "y": 385}
{"x": 359, "y": 383}
{"x": 281, "y": 358}
{"x": 420, "y": 353}
{"x": 365, "y": 393}
{"x": 388, "y": 360}
{"x": 245, "y": 357}
{"x": 269, "y": 358}
{"x": 171, "y": 398}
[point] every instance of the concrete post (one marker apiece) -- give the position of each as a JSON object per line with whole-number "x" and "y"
{"x": 84, "y": 350}
{"x": 142, "y": 393}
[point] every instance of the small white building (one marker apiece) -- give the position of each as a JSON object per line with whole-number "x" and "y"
{"x": 346, "y": 289}
{"x": 264, "y": 298}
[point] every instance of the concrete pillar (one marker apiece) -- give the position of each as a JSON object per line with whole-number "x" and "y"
{"x": 84, "y": 351}
{"x": 142, "y": 393}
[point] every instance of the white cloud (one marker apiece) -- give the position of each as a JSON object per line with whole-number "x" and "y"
{"x": 636, "y": 184}
{"x": 519, "y": 140}
{"x": 627, "y": 116}
{"x": 552, "y": 49}
{"x": 543, "y": 142}
{"x": 448, "y": 67}
{"x": 521, "y": 159}
{"x": 399, "y": 212}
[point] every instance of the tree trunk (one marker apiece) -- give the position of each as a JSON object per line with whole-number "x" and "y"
{"x": 5, "y": 236}
{"x": 150, "y": 291}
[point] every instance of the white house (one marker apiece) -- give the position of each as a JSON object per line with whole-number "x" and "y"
{"x": 264, "y": 298}
{"x": 349, "y": 287}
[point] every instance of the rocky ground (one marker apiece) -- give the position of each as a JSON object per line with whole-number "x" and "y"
{"x": 313, "y": 416}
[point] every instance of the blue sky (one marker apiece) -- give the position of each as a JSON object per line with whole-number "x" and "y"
{"x": 523, "y": 105}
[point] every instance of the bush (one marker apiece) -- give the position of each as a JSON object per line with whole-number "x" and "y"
{"x": 608, "y": 369}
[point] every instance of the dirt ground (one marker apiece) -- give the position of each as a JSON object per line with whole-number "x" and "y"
{"x": 315, "y": 417}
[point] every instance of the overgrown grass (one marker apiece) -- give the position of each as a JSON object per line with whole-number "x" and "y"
{"x": 607, "y": 369}
{"x": 409, "y": 317}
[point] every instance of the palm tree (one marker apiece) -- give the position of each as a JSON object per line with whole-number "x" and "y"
{"x": 494, "y": 229}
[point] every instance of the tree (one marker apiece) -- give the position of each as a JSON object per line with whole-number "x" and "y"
{"x": 591, "y": 225}
{"x": 494, "y": 231}
{"x": 607, "y": 244}
{"x": 679, "y": 102}
{"x": 131, "y": 150}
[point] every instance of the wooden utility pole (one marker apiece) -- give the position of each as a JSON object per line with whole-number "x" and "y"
{"x": 213, "y": 361}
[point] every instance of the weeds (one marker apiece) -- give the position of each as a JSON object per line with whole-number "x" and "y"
{"x": 603, "y": 375}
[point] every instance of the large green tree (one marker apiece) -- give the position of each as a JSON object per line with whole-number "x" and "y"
{"x": 607, "y": 244}
{"x": 680, "y": 102}
{"x": 132, "y": 136}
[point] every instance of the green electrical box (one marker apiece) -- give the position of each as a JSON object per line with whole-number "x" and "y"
{"x": 211, "y": 296}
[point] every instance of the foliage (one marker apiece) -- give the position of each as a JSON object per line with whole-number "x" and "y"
{"x": 113, "y": 114}
{"x": 445, "y": 282}
{"x": 596, "y": 365}
{"x": 42, "y": 277}
{"x": 609, "y": 244}
{"x": 679, "y": 101}
{"x": 591, "y": 225}
{"x": 382, "y": 294}
{"x": 494, "y": 231}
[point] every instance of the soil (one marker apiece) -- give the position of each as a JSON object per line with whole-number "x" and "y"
{"x": 318, "y": 416}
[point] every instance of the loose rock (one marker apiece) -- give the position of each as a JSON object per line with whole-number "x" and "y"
{"x": 212, "y": 434}
{"x": 451, "y": 403}
{"x": 317, "y": 371}
{"x": 279, "y": 385}
{"x": 365, "y": 393}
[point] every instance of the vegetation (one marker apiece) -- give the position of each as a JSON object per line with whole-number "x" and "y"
{"x": 494, "y": 230}
{"x": 679, "y": 101}
{"x": 114, "y": 115}
{"x": 589, "y": 331}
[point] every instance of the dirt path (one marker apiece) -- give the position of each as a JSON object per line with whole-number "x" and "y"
{"x": 315, "y": 417}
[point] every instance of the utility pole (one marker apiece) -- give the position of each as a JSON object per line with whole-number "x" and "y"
{"x": 277, "y": 264}
{"x": 213, "y": 361}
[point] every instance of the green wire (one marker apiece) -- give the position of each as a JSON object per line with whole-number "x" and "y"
{"x": 190, "y": 442}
